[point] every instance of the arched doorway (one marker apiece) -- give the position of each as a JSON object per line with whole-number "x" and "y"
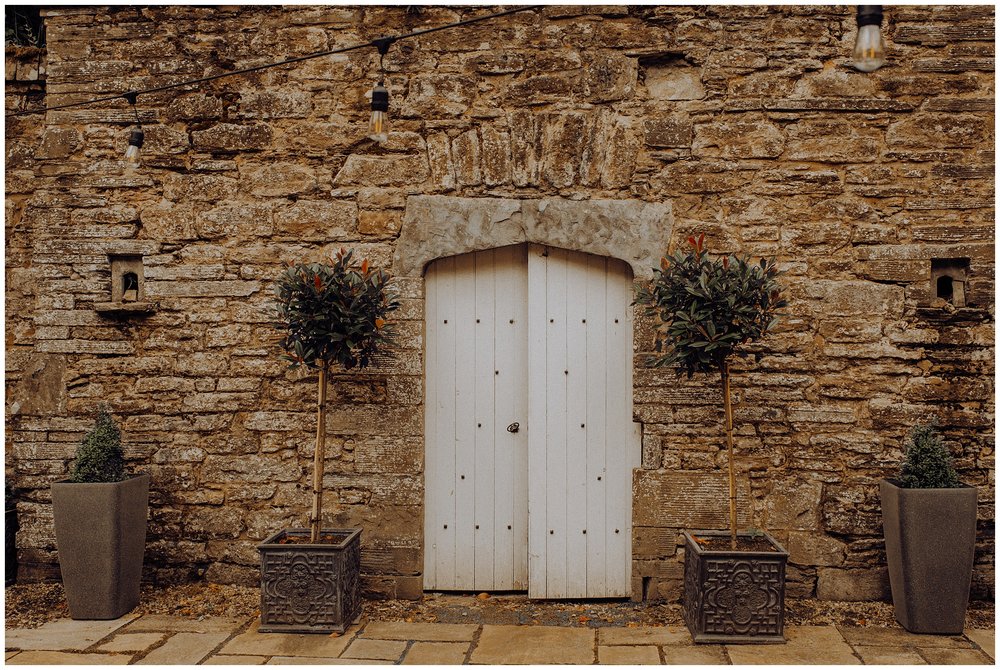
{"x": 529, "y": 437}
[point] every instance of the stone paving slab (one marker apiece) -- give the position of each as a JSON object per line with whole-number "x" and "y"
{"x": 436, "y": 653}
{"x": 376, "y": 650}
{"x": 948, "y": 656}
{"x": 169, "y": 624}
{"x": 658, "y": 635}
{"x": 132, "y": 642}
{"x": 899, "y": 637}
{"x": 181, "y": 642}
{"x": 184, "y": 649}
{"x": 254, "y": 643}
{"x": 640, "y": 655}
{"x": 534, "y": 645}
{"x": 424, "y": 632}
{"x": 299, "y": 660}
{"x": 889, "y": 656}
{"x": 695, "y": 655}
{"x": 807, "y": 645}
{"x": 223, "y": 659}
{"x": 985, "y": 639}
{"x": 63, "y": 658}
{"x": 64, "y": 634}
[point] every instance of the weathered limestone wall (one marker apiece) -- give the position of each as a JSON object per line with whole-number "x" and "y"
{"x": 746, "y": 123}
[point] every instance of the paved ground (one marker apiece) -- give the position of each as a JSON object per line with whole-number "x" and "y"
{"x": 161, "y": 640}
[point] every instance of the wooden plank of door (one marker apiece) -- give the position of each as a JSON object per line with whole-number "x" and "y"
{"x": 510, "y": 369}
{"x": 619, "y": 418}
{"x": 577, "y": 424}
{"x": 484, "y": 482}
{"x": 519, "y": 374}
{"x": 556, "y": 382}
{"x": 433, "y": 494}
{"x": 444, "y": 445}
{"x": 465, "y": 421}
{"x": 597, "y": 436}
{"x": 537, "y": 421}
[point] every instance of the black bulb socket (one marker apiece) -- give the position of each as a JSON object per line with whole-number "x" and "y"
{"x": 380, "y": 98}
{"x": 136, "y": 138}
{"x": 869, "y": 15}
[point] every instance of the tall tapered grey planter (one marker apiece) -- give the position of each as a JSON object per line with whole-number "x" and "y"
{"x": 930, "y": 542}
{"x": 101, "y": 538}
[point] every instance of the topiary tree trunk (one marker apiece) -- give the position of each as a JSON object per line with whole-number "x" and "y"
{"x": 727, "y": 399}
{"x": 320, "y": 453}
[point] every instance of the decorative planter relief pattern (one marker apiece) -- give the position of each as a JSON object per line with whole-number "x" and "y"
{"x": 734, "y": 596}
{"x": 310, "y": 588}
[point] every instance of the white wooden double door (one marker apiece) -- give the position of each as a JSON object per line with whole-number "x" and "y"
{"x": 530, "y": 443}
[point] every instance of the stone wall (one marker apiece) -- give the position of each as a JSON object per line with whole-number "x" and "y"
{"x": 748, "y": 123}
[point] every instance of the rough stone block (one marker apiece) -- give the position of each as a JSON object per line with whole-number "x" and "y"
{"x": 280, "y": 179}
{"x": 671, "y": 131}
{"x": 233, "y": 137}
{"x": 695, "y": 500}
{"x": 814, "y": 549}
{"x": 437, "y": 95}
{"x": 847, "y": 298}
{"x": 360, "y": 170}
{"x": 674, "y": 83}
{"x": 794, "y": 505}
{"x": 608, "y": 77}
{"x": 740, "y": 137}
{"x": 843, "y": 584}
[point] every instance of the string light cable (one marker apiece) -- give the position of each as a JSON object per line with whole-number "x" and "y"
{"x": 382, "y": 44}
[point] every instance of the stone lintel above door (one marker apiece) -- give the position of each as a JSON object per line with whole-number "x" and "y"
{"x": 435, "y": 226}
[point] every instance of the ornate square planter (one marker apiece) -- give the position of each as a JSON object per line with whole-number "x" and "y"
{"x": 734, "y": 597}
{"x": 310, "y": 588}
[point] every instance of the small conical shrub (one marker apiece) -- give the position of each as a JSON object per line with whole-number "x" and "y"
{"x": 928, "y": 463}
{"x": 100, "y": 457}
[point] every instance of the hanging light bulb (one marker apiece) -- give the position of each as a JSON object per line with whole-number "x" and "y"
{"x": 132, "y": 154}
{"x": 136, "y": 137}
{"x": 869, "y": 49}
{"x": 378, "y": 128}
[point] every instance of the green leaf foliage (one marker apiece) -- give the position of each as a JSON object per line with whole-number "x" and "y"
{"x": 709, "y": 307}
{"x": 100, "y": 457}
{"x": 927, "y": 464}
{"x": 333, "y": 313}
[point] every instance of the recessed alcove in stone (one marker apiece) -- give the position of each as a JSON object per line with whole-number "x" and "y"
{"x": 436, "y": 226}
{"x": 949, "y": 277}
{"x": 128, "y": 288}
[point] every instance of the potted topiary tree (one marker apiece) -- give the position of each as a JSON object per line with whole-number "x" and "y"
{"x": 329, "y": 315}
{"x": 10, "y": 535}
{"x": 929, "y": 520}
{"x": 100, "y": 517}
{"x": 734, "y": 583}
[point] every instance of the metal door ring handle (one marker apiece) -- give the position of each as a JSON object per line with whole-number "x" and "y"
{"x": 514, "y": 427}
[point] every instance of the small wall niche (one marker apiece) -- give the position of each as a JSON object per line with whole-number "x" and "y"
{"x": 949, "y": 279}
{"x": 128, "y": 289}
